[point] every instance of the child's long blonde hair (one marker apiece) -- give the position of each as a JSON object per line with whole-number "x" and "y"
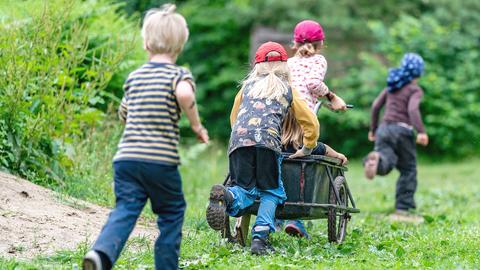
{"x": 292, "y": 133}
{"x": 307, "y": 49}
{"x": 270, "y": 79}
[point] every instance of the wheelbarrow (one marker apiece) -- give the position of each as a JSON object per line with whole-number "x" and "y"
{"x": 316, "y": 188}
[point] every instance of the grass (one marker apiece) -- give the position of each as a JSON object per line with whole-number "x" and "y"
{"x": 448, "y": 196}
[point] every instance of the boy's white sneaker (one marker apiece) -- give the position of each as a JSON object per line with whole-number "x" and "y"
{"x": 92, "y": 261}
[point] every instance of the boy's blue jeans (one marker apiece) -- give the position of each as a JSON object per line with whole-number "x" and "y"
{"x": 269, "y": 199}
{"x": 135, "y": 182}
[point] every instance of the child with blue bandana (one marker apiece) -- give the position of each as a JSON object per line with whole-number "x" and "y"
{"x": 395, "y": 137}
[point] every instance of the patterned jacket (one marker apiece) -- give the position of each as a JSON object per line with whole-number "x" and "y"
{"x": 258, "y": 122}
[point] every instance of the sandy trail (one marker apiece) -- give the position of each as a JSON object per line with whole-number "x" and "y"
{"x": 35, "y": 220}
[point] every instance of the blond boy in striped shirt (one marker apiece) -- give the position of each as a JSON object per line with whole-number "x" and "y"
{"x": 146, "y": 163}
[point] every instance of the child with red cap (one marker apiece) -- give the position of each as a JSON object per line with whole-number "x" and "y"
{"x": 308, "y": 69}
{"x": 255, "y": 145}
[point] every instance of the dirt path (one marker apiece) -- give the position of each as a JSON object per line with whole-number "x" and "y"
{"x": 35, "y": 220}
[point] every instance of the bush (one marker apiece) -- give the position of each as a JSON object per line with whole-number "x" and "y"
{"x": 57, "y": 60}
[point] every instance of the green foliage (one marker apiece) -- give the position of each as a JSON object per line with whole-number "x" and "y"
{"x": 57, "y": 58}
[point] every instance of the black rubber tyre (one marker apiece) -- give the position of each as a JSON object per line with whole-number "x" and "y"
{"x": 338, "y": 219}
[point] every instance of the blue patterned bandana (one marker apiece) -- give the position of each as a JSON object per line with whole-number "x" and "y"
{"x": 411, "y": 68}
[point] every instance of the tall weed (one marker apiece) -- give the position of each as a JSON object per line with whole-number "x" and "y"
{"x": 54, "y": 71}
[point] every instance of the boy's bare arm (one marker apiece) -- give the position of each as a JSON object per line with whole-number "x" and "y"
{"x": 122, "y": 110}
{"x": 186, "y": 100}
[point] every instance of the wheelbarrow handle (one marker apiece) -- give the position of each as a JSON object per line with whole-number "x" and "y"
{"x": 321, "y": 103}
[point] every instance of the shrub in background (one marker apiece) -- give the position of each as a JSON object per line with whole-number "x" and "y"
{"x": 57, "y": 60}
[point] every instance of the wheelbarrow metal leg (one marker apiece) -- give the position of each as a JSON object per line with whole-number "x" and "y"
{"x": 242, "y": 226}
{"x": 330, "y": 178}
{"x": 348, "y": 191}
{"x": 225, "y": 182}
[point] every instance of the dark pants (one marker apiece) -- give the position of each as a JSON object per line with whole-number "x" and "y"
{"x": 256, "y": 173}
{"x": 396, "y": 145}
{"x": 135, "y": 182}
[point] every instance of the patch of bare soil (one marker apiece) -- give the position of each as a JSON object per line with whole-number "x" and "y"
{"x": 35, "y": 220}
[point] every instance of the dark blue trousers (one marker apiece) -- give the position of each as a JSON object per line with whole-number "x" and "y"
{"x": 135, "y": 182}
{"x": 396, "y": 146}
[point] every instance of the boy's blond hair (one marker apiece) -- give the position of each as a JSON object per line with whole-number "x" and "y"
{"x": 270, "y": 79}
{"x": 164, "y": 31}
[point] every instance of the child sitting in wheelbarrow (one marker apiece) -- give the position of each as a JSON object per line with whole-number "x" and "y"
{"x": 308, "y": 68}
{"x": 255, "y": 145}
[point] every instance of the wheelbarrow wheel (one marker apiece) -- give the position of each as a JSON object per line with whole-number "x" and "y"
{"x": 337, "y": 219}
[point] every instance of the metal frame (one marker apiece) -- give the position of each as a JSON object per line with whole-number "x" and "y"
{"x": 326, "y": 206}
{"x": 328, "y": 169}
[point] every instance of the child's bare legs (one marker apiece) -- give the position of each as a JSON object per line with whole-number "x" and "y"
{"x": 330, "y": 152}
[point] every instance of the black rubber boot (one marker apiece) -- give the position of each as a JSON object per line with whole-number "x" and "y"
{"x": 260, "y": 244}
{"x": 96, "y": 260}
{"x": 220, "y": 198}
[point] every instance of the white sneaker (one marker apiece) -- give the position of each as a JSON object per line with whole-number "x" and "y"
{"x": 92, "y": 261}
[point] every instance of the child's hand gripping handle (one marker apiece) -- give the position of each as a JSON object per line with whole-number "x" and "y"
{"x": 330, "y": 107}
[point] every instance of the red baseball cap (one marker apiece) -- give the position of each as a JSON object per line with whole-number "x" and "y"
{"x": 308, "y": 31}
{"x": 266, "y": 48}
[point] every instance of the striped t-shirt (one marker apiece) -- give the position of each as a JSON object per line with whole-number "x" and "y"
{"x": 150, "y": 110}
